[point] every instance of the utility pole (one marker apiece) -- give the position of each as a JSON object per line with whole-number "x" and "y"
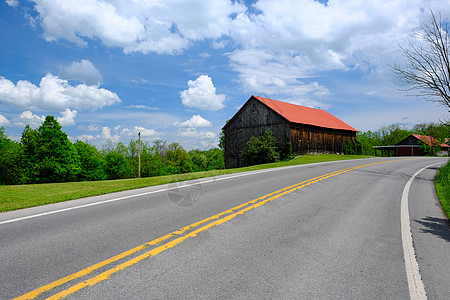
{"x": 139, "y": 170}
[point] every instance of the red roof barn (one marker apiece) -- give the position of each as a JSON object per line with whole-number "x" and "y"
{"x": 309, "y": 130}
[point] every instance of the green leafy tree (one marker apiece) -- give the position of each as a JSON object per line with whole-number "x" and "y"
{"x": 161, "y": 148}
{"x": 392, "y": 134}
{"x": 199, "y": 160}
{"x": 151, "y": 162}
{"x": 222, "y": 140}
{"x": 29, "y": 141}
{"x": 177, "y": 159}
{"x": 132, "y": 155}
{"x": 438, "y": 131}
{"x": 260, "y": 150}
{"x": 430, "y": 147}
{"x": 216, "y": 160}
{"x": 91, "y": 162}
{"x": 11, "y": 161}
{"x": 117, "y": 165}
{"x": 368, "y": 140}
{"x": 352, "y": 147}
{"x": 56, "y": 158}
{"x": 286, "y": 149}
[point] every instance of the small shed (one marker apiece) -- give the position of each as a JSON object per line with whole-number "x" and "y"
{"x": 309, "y": 130}
{"x": 410, "y": 146}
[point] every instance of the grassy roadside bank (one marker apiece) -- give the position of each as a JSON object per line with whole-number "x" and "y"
{"x": 442, "y": 182}
{"x": 13, "y": 197}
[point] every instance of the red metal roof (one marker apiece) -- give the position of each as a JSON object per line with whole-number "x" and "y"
{"x": 305, "y": 115}
{"x": 429, "y": 140}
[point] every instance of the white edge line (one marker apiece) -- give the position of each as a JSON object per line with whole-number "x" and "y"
{"x": 415, "y": 283}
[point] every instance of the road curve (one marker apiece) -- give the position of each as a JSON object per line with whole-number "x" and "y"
{"x": 322, "y": 231}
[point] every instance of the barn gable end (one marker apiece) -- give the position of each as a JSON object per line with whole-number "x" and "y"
{"x": 253, "y": 119}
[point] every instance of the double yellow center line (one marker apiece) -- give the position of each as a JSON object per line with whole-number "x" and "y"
{"x": 175, "y": 238}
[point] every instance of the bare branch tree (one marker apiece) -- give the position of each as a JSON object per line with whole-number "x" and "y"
{"x": 427, "y": 70}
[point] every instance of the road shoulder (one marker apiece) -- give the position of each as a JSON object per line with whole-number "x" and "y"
{"x": 431, "y": 234}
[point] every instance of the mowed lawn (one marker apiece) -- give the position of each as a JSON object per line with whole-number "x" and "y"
{"x": 13, "y": 197}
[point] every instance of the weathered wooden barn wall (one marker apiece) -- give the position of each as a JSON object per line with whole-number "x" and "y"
{"x": 311, "y": 140}
{"x": 253, "y": 119}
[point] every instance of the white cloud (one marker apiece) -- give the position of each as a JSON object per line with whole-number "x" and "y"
{"x": 54, "y": 93}
{"x": 265, "y": 73}
{"x": 192, "y": 132}
{"x": 208, "y": 145}
{"x": 194, "y": 122}
{"x": 83, "y": 71}
{"x": 106, "y": 134}
{"x": 142, "y": 107}
{"x": 12, "y": 3}
{"x": 28, "y": 118}
{"x": 297, "y": 39}
{"x": 85, "y": 137}
{"x": 219, "y": 44}
{"x": 168, "y": 26}
{"x": 67, "y": 118}
{"x": 281, "y": 43}
{"x": 90, "y": 127}
{"x": 136, "y": 129}
{"x": 202, "y": 94}
{"x": 120, "y": 134}
{"x": 3, "y": 120}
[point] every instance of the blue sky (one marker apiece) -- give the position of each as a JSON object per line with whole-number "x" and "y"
{"x": 177, "y": 70}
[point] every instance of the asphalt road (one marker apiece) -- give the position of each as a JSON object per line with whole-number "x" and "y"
{"x": 241, "y": 236}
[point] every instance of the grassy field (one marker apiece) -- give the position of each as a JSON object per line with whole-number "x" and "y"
{"x": 14, "y": 197}
{"x": 442, "y": 182}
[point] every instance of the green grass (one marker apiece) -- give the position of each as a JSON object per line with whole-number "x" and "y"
{"x": 14, "y": 197}
{"x": 442, "y": 182}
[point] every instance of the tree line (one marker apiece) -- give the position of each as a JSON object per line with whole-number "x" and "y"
{"x": 392, "y": 134}
{"x": 46, "y": 155}
{"x": 264, "y": 149}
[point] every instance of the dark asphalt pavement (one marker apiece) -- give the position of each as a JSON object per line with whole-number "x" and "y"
{"x": 335, "y": 237}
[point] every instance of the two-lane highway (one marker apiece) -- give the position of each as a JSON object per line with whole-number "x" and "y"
{"x": 321, "y": 231}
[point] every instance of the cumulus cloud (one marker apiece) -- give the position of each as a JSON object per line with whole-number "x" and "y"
{"x": 282, "y": 43}
{"x": 54, "y": 93}
{"x": 142, "y": 107}
{"x": 106, "y": 134}
{"x": 83, "y": 71}
{"x": 120, "y": 134}
{"x": 194, "y": 122}
{"x": 193, "y": 132}
{"x": 3, "y": 120}
{"x": 265, "y": 73}
{"x": 28, "y": 118}
{"x": 202, "y": 94}
{"x": 90, "y": 127}
{"x": 85, "y": 137}
{"x": 168, "y": 26}
{"x": 67, "y": 118}
{"x": 136, "y": 129}
{"x": 12, "y": 3}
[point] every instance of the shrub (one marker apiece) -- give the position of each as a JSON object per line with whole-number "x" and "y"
{"x": 260, "y": 150}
